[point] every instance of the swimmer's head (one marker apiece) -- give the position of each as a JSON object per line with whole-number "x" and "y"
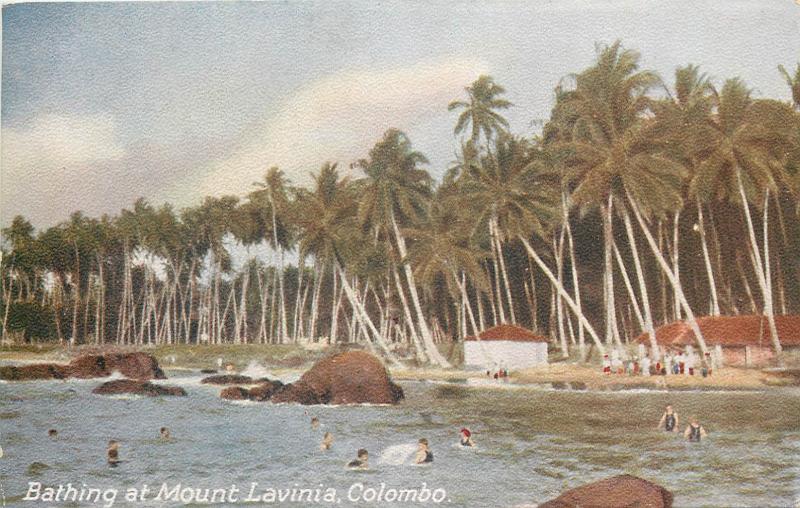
{"x": 52, "y": 432}
{"x": 363, "y": 454}
{"x": 423, "y": 442}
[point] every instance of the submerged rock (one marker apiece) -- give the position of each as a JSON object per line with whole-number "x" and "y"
{"x": 265, "y": 390}
{"x": 33, "y": 372}
{"x": 298, "y": 393}
{"x": 234, "y": 393}
{"x": 134, "y": 387}
{"x": 130, "y": 365}
{"x": 227, "y": 379}
{"x": 623, "y": 490}
{"x": 352, "y": 377}
{"x": 260, "y": 393}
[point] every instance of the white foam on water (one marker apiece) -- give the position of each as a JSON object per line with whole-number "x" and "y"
{"x": 245, "y": 402}
{"x": 255, "y": 370}
{"x": 398, "y": 455}
{"x": 127, "y": 396}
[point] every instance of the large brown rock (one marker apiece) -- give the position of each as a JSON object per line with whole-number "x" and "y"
{"x": 227, "y": 379}
{"x": 135, "y": 365}
{"x": 131, "y": 365}
{"x": 33, "y": 372}
{"x": 623, "y": 491}
{"x": 135, "y": 387}
{"x": 352, "y": 377}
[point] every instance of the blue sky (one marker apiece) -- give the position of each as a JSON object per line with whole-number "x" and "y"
{"x": 103, "y": 103}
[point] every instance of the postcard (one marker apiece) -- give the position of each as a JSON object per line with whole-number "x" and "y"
{"x": 446, "y": 253}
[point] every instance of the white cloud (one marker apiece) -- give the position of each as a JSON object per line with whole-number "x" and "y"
{"x": 54, "y": 141}
{"x": 42, "y": 159}
{"x": 338, "y": 118}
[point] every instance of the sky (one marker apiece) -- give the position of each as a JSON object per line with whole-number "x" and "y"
{"x": 103, "y": 103}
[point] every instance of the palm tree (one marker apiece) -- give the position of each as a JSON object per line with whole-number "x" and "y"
{"x": 604, "y": 111}
{"x": 272, "y": 198}
{"x": 21, "y": 261}
{"x": 499, "y": 192}
{"x": 741, "y": 167}
{"x": 479, "y": 110}
{"x": 326, "y": 219}
{"x": 682, "y": 122}
{"x": 793, "y": 82}
{"x": 442, "y": 247}
{"x": 396, "y": 190}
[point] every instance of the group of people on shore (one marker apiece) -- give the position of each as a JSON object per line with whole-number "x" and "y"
{"x": 670, "y": 422}
{"x": 670, "y": 364}
{"x": 501, "y": 373}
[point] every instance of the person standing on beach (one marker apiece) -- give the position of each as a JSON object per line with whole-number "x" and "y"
{"x": 669, "y": 420}
{"x": 646, "y": 366}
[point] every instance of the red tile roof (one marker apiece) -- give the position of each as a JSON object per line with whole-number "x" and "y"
{"x": 508, "y": 332}
{"x": 732, "y": 331}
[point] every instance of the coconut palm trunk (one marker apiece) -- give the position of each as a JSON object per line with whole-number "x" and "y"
{"x": 423, "y": 357}
{"x": 358, "y": 307}
{"x": 761, "y": 269}
{"x": 712, "y": 285}
{"x": 431, "y": 350}
{"x": 564, "y": 294}
{"x": 499, "y": 309}
{"x": 671, "y": 276}
{"x": 558, "y": 248}
{"x": 631, "y": 293}
{"x": 647, "y": 314}
{"x": 574, "y": 270}
{"x": 504, "y": 272}
{"x": 612, "y": 332}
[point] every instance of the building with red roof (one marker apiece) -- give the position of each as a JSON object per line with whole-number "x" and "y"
{"x": 742, "y": 340}
{"x": 505, "y": 347}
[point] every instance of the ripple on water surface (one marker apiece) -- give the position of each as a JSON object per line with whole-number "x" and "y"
{"x": 532, "y": 444}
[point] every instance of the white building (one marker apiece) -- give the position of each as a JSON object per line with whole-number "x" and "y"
{"x": 505, "y": 347}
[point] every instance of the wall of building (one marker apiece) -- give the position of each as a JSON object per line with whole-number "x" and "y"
{"x": 737, "y": 356}
{"x": 497, "y": 354}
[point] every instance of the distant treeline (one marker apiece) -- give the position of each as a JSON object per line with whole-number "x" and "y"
{"x": 642, "y": 202}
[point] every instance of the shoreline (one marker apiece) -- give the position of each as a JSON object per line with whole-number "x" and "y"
{"x": 294, "y": 360}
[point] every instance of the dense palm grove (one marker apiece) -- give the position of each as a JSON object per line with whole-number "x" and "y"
{"x": 642, "y": 202}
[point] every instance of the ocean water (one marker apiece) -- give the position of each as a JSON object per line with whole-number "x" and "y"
{"x": 531, "y": 445}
